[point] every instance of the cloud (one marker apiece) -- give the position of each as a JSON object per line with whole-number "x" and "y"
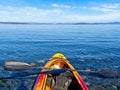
{"x": 103, "y": 10}
{"x": 111, "y": 6}
{"x": 107, "y": 8}
{"x": 60, "y": 6}
{"x": 108, "y": 13}
{"x": 94, "y": 18}
{"x": 27, "y": 14}
{"x": 103, "y": 13}
{"x": 55, "y": 5}
{"x": 67, "y": 6}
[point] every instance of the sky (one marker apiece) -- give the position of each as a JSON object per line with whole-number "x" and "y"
{"x": 60, "y": 11}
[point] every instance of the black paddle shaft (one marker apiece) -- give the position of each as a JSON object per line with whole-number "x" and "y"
{"x": 54, "y": 72}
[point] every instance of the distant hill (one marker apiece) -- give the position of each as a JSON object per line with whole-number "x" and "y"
{"x": 99, "y": 23}
{"x": 81, "y": 23}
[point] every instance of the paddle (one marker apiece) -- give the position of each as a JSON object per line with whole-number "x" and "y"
{"x": 104, "y": 73}
{"x": 20, "y": 66}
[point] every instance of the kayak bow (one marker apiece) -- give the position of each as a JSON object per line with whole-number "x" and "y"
{"x": 69, "y": 80}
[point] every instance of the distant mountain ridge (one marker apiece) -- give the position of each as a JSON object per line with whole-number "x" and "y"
{"x": 100, "y": 23}
{"x": 80, "y": 23}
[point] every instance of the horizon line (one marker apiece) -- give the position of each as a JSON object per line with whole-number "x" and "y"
{"x": 52, "y": 23}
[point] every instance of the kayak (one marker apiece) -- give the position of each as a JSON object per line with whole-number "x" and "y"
{"x": 67, "y": 80}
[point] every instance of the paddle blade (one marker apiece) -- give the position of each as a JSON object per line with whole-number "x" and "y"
{"x": 108, "y": 73}
{"x": 16, "y": 66}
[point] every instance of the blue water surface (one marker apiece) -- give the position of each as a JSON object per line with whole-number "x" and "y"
{"x": 86, "y": 46}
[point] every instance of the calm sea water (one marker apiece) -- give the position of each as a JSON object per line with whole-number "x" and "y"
{"x": 86, "y": 46}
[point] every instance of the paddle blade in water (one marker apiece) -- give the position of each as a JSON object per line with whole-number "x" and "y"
{"x": 16, "y": 66}
{"x": 108, "y": 73}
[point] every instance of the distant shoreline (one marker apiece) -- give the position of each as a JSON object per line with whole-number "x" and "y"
{"x": 81, "y": 23}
